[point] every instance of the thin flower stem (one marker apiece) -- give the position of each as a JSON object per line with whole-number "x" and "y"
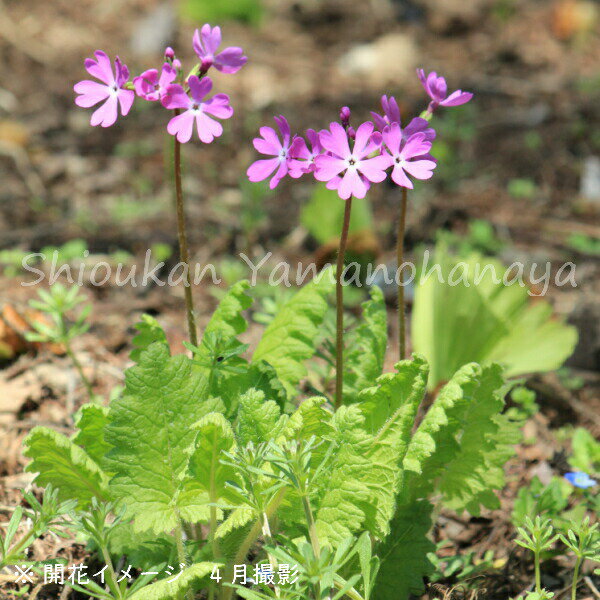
{"x": 339, "y": 300}
{"x": 79, "y": 368}
{"x": 183, "y": 245}
{"x": 538, "y": 575}
{"x": 400, "y": 277}
{"x": 575, "y": 578}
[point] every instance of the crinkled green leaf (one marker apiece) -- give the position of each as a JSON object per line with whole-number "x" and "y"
{"x": 173, "y": 587}
{"x": 227, "y": 319}
{"x": 91, "y": 422}
{"x": 288, "y": 341}
{"x": 390, "y": 409}
{"x": 344, "y": 504}
{"x": 309, "y": 419}
{"x": 403, "y": 554}
{"x": 208, "y": 474}
{"x": 63, "y": 464}
{"x": 152, "y": 438}
{"x": 366, "y": 346}
{"x": 259, "y": 420}
{"x": 458, "y": 449}
{"x": 149, "y": 332}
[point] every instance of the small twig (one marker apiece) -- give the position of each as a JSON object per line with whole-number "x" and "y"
{"x": 592, "y": 587}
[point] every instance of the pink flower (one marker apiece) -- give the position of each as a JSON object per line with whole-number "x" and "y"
{"x": 437, "y": 89}
{"x": 150, "y": 86}
{"x": 196, "y": 110}
{"x": 359, "y": 170}
{"x": 302, "y": 160}
{"x": 206, "y": 42}
{"x": 407, "y": 156}
{"x": 270, "y": 145}
{"x": 391, "y": 114}
{"x": 111, "y": 90}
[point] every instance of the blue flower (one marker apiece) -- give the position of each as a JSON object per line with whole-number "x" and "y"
{"x": 580, "y": 480}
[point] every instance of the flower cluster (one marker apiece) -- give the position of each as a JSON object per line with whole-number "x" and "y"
{"x": 187, "y": 95}
{"x": 350, "y": 160}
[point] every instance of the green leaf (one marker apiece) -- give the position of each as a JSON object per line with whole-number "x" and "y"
{"x": 289, "y": 339}
{"x": 586, "y": 451}
{"x": 149, "y": 332}
{"x": 390, "y": 409}
{"x": 403, "y": 554}
{"x": 172, "y": 589}
{"x": 343, "y": 487}
{"x": 485, "y": 322}
{"x": 323, "y": 215}
{"x": 366, "y": 347}
{"x": 60, "y": 462}
{"x": 152, "y": 440}
{"x": 458, "y": 449}
{"x": 259, "y": 420}
{"x": 209, "y": 475}
{"x": 91, "y": 421}
{"x": 227, "y": 320}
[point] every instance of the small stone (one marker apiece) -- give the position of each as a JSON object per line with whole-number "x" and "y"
{"x": 391, "y": 59}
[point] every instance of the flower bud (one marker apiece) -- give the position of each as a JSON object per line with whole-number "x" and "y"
{"x": 169, "y": 53}
{"x": 345, "y": 116}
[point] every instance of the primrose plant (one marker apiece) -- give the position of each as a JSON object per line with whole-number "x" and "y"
{"x": 221, "y": 464}
{"x": 350, "y": 161}
{"x": 186, "y": 96}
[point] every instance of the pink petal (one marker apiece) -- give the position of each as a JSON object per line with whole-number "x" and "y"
{"x": 457, "y": 98}
{"x": 231, "y": 60}
{"x": 284, "y": 127}
{"x": 334, "y": 183}
{"x": 418, "y": 125}
{"x": 422, "y": 77}
{"x": 271, "y": 137}
{"x": 327, "y": 167}
{"x": 175, "y": 97}
{"x": 335, "y": 140}
{"x": 145, "y": 83}
{"x": 211, "y": 38}
{"x": 91, "y": 92}
{"x": 261, "y": 169}
{"x": 101, "y": 67}
{"x": 299, "y": 149}
{"x": 182, "y": 126}
{"x": 380, "y": 122}
{"x": 265, "y": 147}
{"x": 107, "y": 114}
{"x": 122, "y": 72}
{"x": 420, "y": 169}
{"x": 392, "y": 138}
{"x": 218, "y": 106}
{"x": 199, "y": 88}
{"x": 352, "y": 185}
{"x": 126, "y": 98}
{"x": 167, "y": 75}
{"x": 374, "y": 168}
{"x": 363, "y": 137}
{"x": 281, "y": 172}
{"x": 208, "y": 129}
{"x": 392, "y": 111}
{"x": 315, "y": 142}
{"x": 399, "y": 178}
{"x": 415, "y": 146}
{"x": 197, "y": 44}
